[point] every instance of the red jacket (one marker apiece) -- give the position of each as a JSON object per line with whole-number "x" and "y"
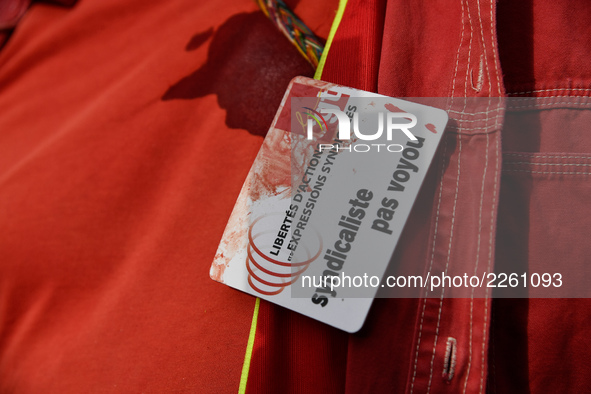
{"x": 127, "y": 129}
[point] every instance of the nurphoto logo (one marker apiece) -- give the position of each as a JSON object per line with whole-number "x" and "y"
{"x": 344, "y": 124}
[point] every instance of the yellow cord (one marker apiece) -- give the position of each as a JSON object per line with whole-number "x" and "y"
{"x": 255, "y": 315}
{"x": 333, "y": 30}
{"x": 249, "y": 346}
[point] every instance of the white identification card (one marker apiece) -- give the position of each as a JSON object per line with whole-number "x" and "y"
{"x": 324, "y": 204}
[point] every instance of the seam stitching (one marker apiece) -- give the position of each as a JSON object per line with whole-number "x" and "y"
{"x": 453, "y": 215}
{"x": 535, "y": 155}
{"x": 495, "y": 181}
{"x": 552, "y": 90}
{"x": 548, "y": 172}
{"x": 551, "y": 164}
{"x": 439, "y": 198}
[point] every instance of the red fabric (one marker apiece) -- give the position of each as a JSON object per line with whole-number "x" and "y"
{"x": 122, "y": 151}
{"x": 11, "y": 11}
{"x": 480, "y": 209}
{"x": 293, "y": 353}
{"x": 540, "y": 345}
{"x": 126, "y": 132}
{"x": 361, "y": 39}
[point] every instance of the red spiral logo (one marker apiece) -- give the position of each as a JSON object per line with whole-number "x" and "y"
{"x": 271, "y": 275}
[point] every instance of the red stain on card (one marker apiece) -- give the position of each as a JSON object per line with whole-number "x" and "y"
{"x": 232, "y": 243}
{"x": 392, "y": 108}
{"x": 216, "y": 272}
{"x": 431, "y": 128}
{"x": 272, "y": 170}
